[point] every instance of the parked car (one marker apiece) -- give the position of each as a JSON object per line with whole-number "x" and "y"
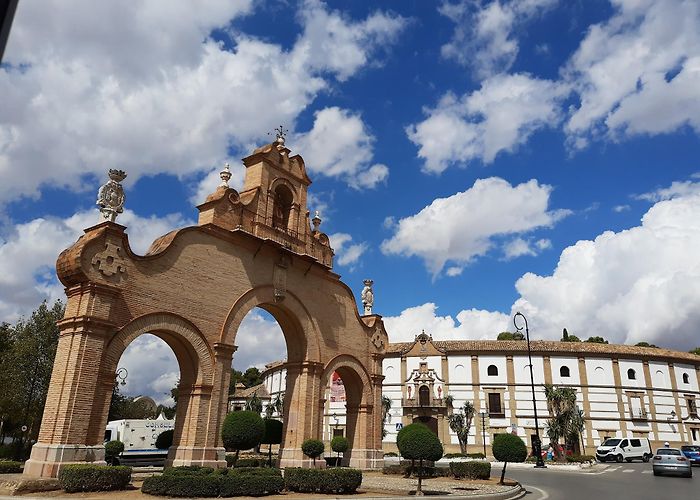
{"x": 624, "y": 449}
{"x": 671, "y": 461}
{"x": 692, "y": 453}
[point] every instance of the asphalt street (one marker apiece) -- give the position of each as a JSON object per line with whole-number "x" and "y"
{"x": 617, "y": 481}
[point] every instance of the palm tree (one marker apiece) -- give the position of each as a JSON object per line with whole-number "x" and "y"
{"x": 275, "y": 407}
{"x": 461, "y": 423}
{"x": 566, "y": 419}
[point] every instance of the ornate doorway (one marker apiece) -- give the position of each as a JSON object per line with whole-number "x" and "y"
{"x": 253, "y": 248}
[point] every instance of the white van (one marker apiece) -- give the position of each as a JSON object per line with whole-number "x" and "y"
{"x": 619, "y": 449}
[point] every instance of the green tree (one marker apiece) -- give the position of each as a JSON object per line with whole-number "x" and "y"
{"x": 165, "y": 439}
{"x": 252, "y": 377}
{"x": 26, "y": 362}
{"x": 510, "y": 336}
{"x": 417, "y": 442}
{"x": 121, "y": 407}
{"x": 254, "y": 403}
{"x": 695, "y": 351}
{"x": 112, "y": 451}
{"x": 566, "y": 419}
{"x": 386, "y": 416}
{"x": 272, "y": 435}
{"x": 236, "y": 377}
{"x": 567, "y": 337}
{"x": 596, "y": 340}
{"x": 645, "y": 344}
{"x": 242, "y": 430}
{"x": 508, "y": 448}
{"x": 313, "y": 448}
{"x": 461, "y": 423}
{"x": 275, "y": 407}
{"x": 339, "y": 444}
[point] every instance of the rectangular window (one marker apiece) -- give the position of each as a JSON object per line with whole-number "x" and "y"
{"x": 495, "y": 406}
{"x": 636, "y": 443}
{"x": 692, "y": 406}
{"x": 337, "y": 432}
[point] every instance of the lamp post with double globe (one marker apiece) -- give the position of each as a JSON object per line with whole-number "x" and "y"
{"x": 537, "y": 445}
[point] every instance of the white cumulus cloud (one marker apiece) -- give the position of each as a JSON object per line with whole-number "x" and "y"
{"x": 464, "y": 226}
{"x": 500, "y": 116}
{"x": 142, "y": 86}
{"x": 468, "y": 324}
{"x": 347, "y": 253}
{"x": 339, "y": 145}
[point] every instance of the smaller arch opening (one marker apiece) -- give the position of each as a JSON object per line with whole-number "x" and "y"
{"x": 564, "y": 371}
{"x": 282, "y": 207}
{"x": 631, "y": 374}
{"x": 686, "y": 378}
{"x": 492, "y": 371}
{"x": 424, "y": 395}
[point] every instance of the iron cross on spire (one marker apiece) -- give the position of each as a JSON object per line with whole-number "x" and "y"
{"x": 280, "y": 134}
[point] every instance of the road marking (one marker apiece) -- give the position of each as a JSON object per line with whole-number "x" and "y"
{"x": 544, "y": 494}
{"x": 628, "y": 470}
{"x": 646, "y": 472}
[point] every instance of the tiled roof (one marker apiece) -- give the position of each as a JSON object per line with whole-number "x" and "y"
{"x": 248, "y": 393}
{"x": 549, "y": 346}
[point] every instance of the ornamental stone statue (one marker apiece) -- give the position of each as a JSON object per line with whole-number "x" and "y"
{"x": 110, "y": 197}
{"x": 367, "y": 296}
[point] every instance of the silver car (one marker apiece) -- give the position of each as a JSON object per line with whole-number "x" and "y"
{"x": 671, "y": 461}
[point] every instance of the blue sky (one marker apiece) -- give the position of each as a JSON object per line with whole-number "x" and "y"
{"x": 474, "y": 158}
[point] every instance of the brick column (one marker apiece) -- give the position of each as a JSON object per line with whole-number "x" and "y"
{"x": 674, "y": 386}
{"x": 618, "y": 390}
{"x": 512, "y": 403}
{"x": 589, "y": 445}
{"x": 304, "y": 419}
{"x": 650, "y": 399}
{"x": 65, "y": 435}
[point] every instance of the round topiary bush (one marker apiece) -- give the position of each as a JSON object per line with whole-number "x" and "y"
{"x": 417, "y": 442}
{"x": 508, "y": 448}
{"x": 242, "y": 430}
{"x": 112, "y": 451}
{"x": 339, "y": 444}
{"x": 165, "y": 439}
{"x": 313, "y": 448}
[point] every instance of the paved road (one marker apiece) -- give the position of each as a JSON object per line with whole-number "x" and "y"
{"x": 633, "y": 481}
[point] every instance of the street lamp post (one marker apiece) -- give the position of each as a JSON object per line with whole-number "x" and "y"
{"x": 537, "y": 445}
{"x": 335, "y": 428}
{"x": 121, "y": 375}
{"x": 483, "y": 429}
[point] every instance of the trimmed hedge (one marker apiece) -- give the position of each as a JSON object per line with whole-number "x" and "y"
{"x": 581, "y": 459}
{"x": 407, "y": 470}
{"x": 244, "y": 462}
{"x": 464, "y": 455}
{"x": 10, "y": 467}
{"x": 89, "y": 477}
{"x": 193, "y": 482}
{"x": 471, "y": 470}
{"x": 336, "y": 480}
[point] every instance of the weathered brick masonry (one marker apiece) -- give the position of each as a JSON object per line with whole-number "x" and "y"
{"x": 193, "y": 288}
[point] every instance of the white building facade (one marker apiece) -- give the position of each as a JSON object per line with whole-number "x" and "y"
{"x": 623, "y": 390}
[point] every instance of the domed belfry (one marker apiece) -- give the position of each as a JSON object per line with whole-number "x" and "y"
{"x": 192, "y": 289}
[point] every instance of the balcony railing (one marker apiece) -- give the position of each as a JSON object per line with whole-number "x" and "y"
{"x": 638, "y": 414}
{"x": 416, "y": 403}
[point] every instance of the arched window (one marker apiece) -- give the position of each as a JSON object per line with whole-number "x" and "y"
{"x": 424, "y": 395}
{"x": 492, "y": 371}
{"x": 631, "y": 374}
{"x": 686, "y": 378}
{"x": 282, "y": 207}
{"x": 564, "y": 371}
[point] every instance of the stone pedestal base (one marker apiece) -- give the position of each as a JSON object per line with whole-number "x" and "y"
{"x": 364, "y": 459}
{"x": 47, "y": 459}
{"x": 194, "y": 455}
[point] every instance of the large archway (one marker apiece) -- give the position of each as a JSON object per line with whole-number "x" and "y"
{"x": 192, "y": 289}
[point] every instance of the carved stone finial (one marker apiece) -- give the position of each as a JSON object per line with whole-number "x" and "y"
{"x": 110, "y": 197}
{"x": 367, "y": 296}
{"x": 225, "y": 175}
{"x": 316, "y": 221}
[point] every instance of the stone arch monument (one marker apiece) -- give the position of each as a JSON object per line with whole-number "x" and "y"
{"x": 253, "y": 248}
